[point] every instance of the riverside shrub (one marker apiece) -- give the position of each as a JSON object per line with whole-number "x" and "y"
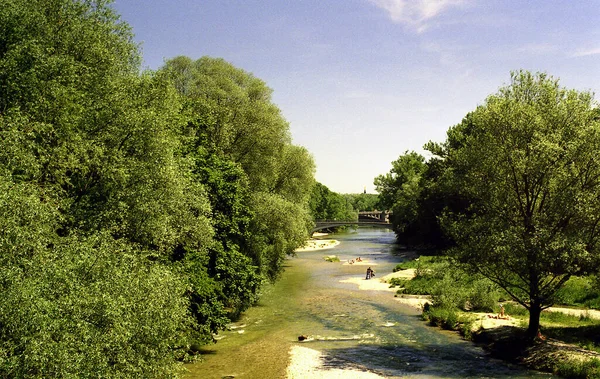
{"x": 449, "y": 285}
{"x": 576, "y": 369}
{"x": 580, "y": 291}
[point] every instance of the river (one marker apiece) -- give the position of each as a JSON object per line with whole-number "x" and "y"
{"x": 358, "y": 330}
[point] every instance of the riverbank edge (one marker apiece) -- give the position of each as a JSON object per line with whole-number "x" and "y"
{"x": 315, "y": 243}
{"x": 502, "y": 338}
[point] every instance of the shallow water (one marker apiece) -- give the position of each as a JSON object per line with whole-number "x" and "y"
{"x": 366, "y": 330}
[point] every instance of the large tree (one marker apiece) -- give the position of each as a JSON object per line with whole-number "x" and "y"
{"x": 325, "y": 204}
{"x": 400, "y": 189}
{"x": 528, "y": 161}
{"x": 94, "y": 199}
{"x": 240, "y": 148}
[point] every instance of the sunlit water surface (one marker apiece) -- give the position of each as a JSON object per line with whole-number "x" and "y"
{"x": 367, "y": 330}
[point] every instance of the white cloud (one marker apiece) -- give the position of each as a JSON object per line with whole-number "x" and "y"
{"x": 586, "y": 52}
{"x": 416, "y": 13}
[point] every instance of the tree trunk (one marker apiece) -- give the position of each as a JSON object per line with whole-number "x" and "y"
{"x": 534, "y": 320}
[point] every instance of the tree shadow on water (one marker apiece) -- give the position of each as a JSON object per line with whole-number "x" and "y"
{"x": 433, "y": 360}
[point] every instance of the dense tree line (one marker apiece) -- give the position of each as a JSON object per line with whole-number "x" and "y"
{"x": 325, "y": 204}
{"x": 416, "y": 194}
{"x": 362, "y": 202}
{"x": 139, "y": 211}
{"x": 514, "y": 191}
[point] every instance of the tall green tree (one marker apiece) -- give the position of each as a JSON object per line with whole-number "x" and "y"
{"x": 528, "y": 161}
{"x": 95, "y": 199}
{"x": 400, "y": 189}
{"x": 232, "y": 112}
{"x": 241, "y": 151}
{"x": 325, "y": 204}
{"x": 402, "y": 178}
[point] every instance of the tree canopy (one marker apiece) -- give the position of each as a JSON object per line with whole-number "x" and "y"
{"x": 414, "y": 191}
{"x": 328, "y": 205}
{"x": 139, "y": 211}
{"x": 527, "y": 161}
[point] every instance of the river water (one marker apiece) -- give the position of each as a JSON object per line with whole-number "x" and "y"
{"x": 362, "y": 330}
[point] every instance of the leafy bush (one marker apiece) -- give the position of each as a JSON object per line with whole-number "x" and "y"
{"x": 450, "y": 319}
{"x": 483, "y": 295}
{"x": 91, "y": 307}
{"x": 515, "y": 309}
{"x": 461, "y": 290}
{"x": 580, "y": 291}
{"x": 449, "y": 286}
{"x": 417, "y": 286}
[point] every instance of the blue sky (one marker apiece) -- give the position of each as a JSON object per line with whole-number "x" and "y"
{"x": 362, "y": 81}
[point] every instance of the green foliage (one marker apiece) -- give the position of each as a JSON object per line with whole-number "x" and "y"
{"x": 450, "y": 286}
{"x": 401, "y": 183}
{"x": 206, "y": 297}
{"x": 332, "y": 258}
{"x": 422, "y": 285}
{"x": 327, "y": 205}
{"x": 363, "y": 201}
{"x": 131, "y": 202}
{"x": 515, "y": 309}
{"x": 527, "y": 160}
{"x": 579, "y": 369}
{"x": 416, "y": 192}
{"x": 258, "y": 182}
{"x": 81, "y": 305}
{"x": 92, "y": 307}
{"x": 579, "y": 291}
{"x": 450, "y": 319}
{"x": 86, "y": 158}
{"x": 424, "y": 261}
{"x": 295, "y": 175}
{"x": 278, "y": 228}
{"x": 230, "y": 113}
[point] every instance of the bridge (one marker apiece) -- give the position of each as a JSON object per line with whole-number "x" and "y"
{"x": 371, "y": 218}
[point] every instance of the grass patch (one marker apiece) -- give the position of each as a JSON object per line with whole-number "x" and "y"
{"x": 515, "y": 310}
{"x": 448, "y": 285}
{"x": 424, "y": 261}
{"x": 454, "y": 292}
{"x": 581, "y": 292}
{"x": 332, "y": 258}
{"x": 575, "y": 368}
{"x": 450, "y": 319}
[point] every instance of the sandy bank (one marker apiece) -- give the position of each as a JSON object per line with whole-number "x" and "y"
{"x": 313, "y": 245}
{"x": 378, "y": 284}
{"x": 308, "y": 364}
{"x": 382, "y": 284}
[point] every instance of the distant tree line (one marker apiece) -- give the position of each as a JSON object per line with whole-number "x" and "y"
{"x": 513, "y": 193}
{"x": 139, "y": 211}
{"x": 325, "y": 204}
